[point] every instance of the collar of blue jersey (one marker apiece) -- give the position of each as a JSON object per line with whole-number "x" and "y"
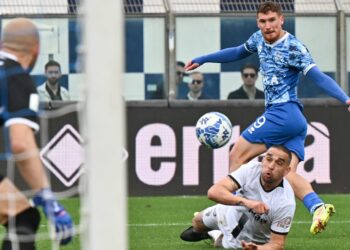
{"x": 278, "y": 41}
{"x": 4, "y": 54}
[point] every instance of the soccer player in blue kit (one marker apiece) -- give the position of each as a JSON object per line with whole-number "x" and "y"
{"x": 282, "y": 57}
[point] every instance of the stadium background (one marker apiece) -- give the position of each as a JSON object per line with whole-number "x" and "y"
{"x": 201, "y": 27}
{"x": 227, "y": 23}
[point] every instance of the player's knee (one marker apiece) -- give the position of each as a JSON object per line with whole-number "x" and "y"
{"x": 197, "y": 223}
{"x": 18, "y": 146}
{"x": 25, "y": 224}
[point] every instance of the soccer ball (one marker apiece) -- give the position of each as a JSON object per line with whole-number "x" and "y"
{"x": 213, "y": 129}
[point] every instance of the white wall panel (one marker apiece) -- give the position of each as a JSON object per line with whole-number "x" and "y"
{"x": 319, "y": 36}
{"x": 198, "y": 36}
{"x": 134, "y": 86}
{"x": 154, "y": 45}
{"x": 76, "y": 86}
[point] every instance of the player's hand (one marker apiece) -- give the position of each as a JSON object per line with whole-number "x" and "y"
{"x": 348, "y": 103}
{"x": 257, "y": 206}
{"x": 57, "y": 215}
{"x": 248, "y": 245}
{"x": 191, "y": 66}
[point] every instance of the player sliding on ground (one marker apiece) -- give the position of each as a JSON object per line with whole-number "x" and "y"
{"x": 259, "y": 216}
{"x": 282, "y": 57}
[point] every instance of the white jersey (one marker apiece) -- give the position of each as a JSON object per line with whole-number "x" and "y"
{"x": 239, "y": 223}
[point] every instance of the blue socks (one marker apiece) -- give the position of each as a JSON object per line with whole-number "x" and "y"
{"x": 312, "y": 201}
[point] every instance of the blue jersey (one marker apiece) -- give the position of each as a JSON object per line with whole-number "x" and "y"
{"x": 280, "y": 64}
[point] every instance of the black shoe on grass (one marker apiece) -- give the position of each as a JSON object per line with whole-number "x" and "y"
{"x": 190, "y": 235}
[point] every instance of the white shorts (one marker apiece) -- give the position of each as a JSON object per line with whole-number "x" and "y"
{"x": 225, "y": 218}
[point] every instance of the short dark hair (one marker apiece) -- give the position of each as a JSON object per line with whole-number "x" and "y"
{"x": 284, "y": 149}
{"x": 52, "y": 63}
{"x": 181, "y": 64}
{"x": 265, "y": 7}
{"x": 249, "y": 66}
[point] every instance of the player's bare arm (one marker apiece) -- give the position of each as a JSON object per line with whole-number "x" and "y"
{"x": 249, "y": 245}
{"x": 257, "y": 206}
{"x": 277, "y": 242}
{"x": 221, "y": 192}
{"x": 191, "y": 66}
{"x": 23, "y": 142}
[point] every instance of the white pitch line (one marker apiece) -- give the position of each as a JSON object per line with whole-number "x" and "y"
{"x": 186, "y": 224}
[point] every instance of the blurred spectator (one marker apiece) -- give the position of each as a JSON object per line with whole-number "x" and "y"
{"x": 51, "y": 90}
{"x": 182, "y": 79}
{"x": 196, "y": 87}
{"x": 158, "y": 91}
{"x": 180, "y": 72}
{"x": 249, "y": 74}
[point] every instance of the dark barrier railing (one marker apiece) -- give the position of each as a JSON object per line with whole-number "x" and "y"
{"x": 166, "y": 159}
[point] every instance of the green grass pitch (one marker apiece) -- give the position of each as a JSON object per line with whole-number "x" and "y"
{"x": 155, "y": 223}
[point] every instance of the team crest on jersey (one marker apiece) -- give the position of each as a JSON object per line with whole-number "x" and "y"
{"x": 285, "y": 223}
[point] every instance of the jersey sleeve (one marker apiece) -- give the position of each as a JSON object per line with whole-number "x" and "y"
{"x": 300, "y": 57}
{"x": 22, "y": 101}
{"x": 283, "y": 219}
{"x": 241, "y": 175}
{"x": 251, "y": 44}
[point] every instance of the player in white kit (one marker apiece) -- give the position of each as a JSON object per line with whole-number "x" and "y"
{"x": 260, "y": 214}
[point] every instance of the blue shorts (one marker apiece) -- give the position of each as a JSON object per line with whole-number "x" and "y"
{"x": 281, "y": 124}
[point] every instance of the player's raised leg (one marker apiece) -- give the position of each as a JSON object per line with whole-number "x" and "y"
{"x": 304, "y": 192}
{"x": 300, "y": 185}
{"x": 243, "y": 151}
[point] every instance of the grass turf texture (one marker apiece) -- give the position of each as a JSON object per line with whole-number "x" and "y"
{"x": 155, "y": 223}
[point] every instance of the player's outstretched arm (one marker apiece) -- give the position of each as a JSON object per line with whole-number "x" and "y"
{"x": 258, "y": 207}
{"x": 221, "y": 56}
{"x": 191, "y": 66}
{"x": 26, "y": 154}
{"x": 221, "y": 192}
{"x": 249, "y": 245}
{"x": 327, "y": 84}
{"x": 277, "y": 242}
